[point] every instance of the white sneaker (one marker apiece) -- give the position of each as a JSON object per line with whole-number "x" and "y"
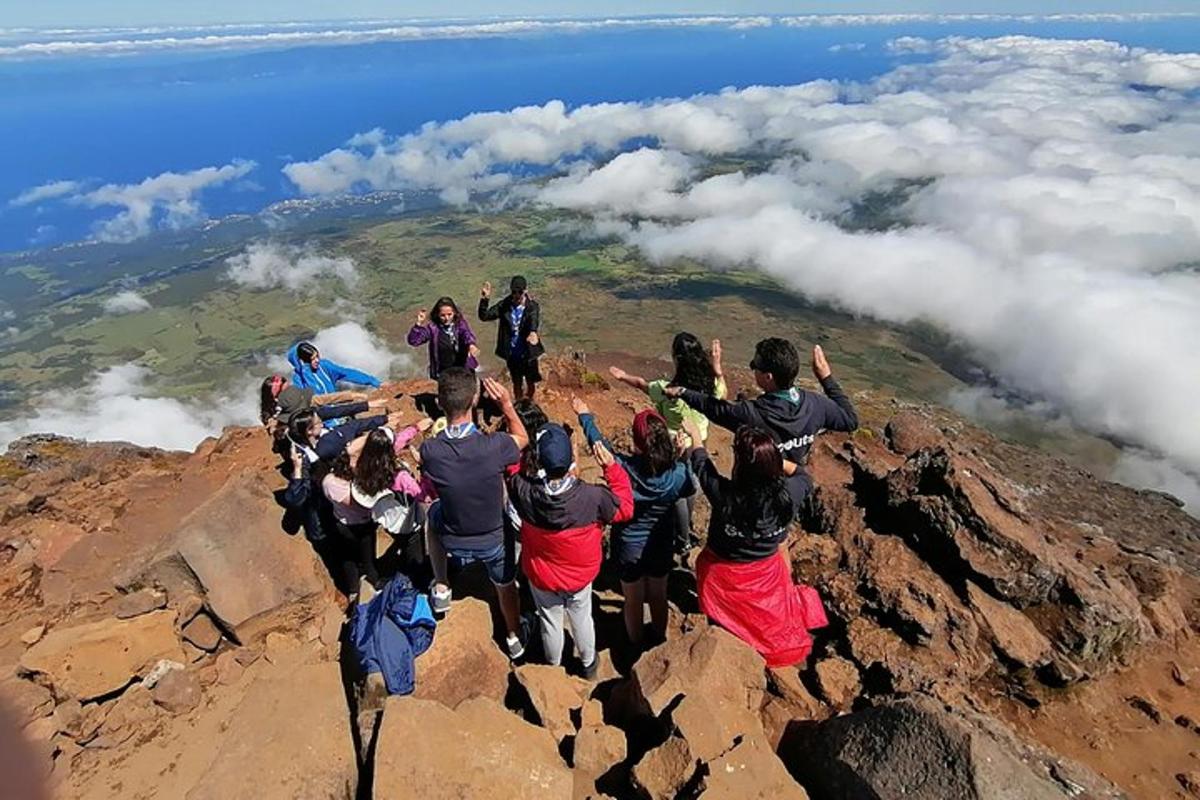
{"x": 439, "y": 599}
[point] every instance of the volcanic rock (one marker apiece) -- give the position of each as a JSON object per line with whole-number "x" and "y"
{"x": 477, "y": 749}
{"x": 749, "y": 771}
{"x": 33, "y": 635}
{"x": 1013, "y": 633}
{"x": 838, "y": 681}
{"x": 463, "y": 661}
{"x": 289, "y": 737}
{"x": 142, "y": 601}
{"x": 598, "y": 754}
{"x": 178, "y": 691}
{"x": 554, "y": 695}
{"x": 665, "y": 770}
{"x": 94, "y": 659}
{"x": 27, "y": 700}
{"x": 708, "y": 661}
{"x": 203, "y": 633}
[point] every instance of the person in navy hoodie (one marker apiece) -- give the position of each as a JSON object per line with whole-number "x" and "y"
{"x": 310, "y": 371}
{"x": 563, "y": 522}
{"x": 449, "y": 336}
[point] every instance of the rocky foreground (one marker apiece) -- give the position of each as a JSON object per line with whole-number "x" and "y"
{"x": 1002, "y": 626}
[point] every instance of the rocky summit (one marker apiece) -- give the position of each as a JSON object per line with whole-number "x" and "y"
{"x": 1002, "y": 625}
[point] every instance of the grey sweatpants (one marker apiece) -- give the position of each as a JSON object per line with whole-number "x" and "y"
{"x": 578, "y": 607}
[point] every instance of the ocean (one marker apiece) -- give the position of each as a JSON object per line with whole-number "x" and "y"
{"x": 120, "y": 119}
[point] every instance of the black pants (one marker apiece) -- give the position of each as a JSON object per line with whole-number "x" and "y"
{"x": 358, "y": 553}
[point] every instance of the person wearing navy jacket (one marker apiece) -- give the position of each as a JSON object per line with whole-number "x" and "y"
{"x": 562, "y": 524}
{"x": 791, "y": 416}
{"x": 310, "y": 371}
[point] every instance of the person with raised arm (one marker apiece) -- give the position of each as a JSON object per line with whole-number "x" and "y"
{"x": 519, "y": 338}
{"x": 466, "y": 469}
{"x": 791, "y": 416}
{"x": 449, "y": 336}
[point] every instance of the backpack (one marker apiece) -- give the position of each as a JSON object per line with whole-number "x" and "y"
{"x": 395, "y": 513}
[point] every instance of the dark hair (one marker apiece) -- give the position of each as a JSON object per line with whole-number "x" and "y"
{"x": 298, "y": 425}
{"x": 306, "y": 351}
{"x": 340, "y": 467}
{"x": 267, "y": 406}
{"x": 456, "y": 390}
{"x": 445, "y": 301}
{"x": 759, "y": 486}
{"x": 660, "y": 446}
{"x": 693, "y": 366}
{"x": 377, "y": 464}
{"x": 531, "y": 415}
{"x": 779, "y": 358}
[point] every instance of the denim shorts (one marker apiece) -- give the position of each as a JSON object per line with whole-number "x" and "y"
{"x": 499, "y": 560}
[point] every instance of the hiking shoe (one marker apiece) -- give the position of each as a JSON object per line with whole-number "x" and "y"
{"x": 516, "y": 644}
{"x": 590, "y": 670}
{"x": 439, "y": 600}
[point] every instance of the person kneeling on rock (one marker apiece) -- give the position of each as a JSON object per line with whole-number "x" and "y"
{"x": 562, "y": 527}
{"x": 743, "y": 575}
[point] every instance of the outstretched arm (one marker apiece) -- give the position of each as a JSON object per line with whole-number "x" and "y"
{"x": 587, "y": 421}
{"x": 632, "y": 380}
{"x": 839, "y": 411}
{"x": 730, "y": 416}
{"x": 340, "y": 373}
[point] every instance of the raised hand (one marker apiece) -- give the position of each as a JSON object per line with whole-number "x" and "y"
{"x": 820, "y": 365}
{"x": 422, "y": 316}
{"x": 533, "y": 338}
{"x": 297, "y": 459}
{"x": 603, "y": 457}
{"x": 716, "y": 356}
{"x": 486, "y": 290}
{"x": 579, "y": 406}
{"x": 496, "y": 391}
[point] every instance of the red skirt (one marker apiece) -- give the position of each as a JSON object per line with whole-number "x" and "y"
{"x": 757, "y": 602}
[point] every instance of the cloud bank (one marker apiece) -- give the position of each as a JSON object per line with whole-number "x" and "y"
{"x": 269, "y": 265}
{"x": 1047, "y": 192}
{"x": 125, "y": 302}
{"x": 31, "y": 44}
{"x": 120, "y": 405}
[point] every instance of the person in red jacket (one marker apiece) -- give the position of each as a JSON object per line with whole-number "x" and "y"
{"x": 562, "y": 524}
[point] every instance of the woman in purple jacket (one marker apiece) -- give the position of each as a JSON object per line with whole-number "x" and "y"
{"x": 450, "y": 338}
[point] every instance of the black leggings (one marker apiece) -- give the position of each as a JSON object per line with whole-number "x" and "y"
{"x": 358, "y": 553}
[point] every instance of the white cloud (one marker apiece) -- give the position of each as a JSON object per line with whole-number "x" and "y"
{"x": 125, "y": 302}
{"x": 1146, "y": 471}
{"x": 119, "y": 405}
{"x": 1055, "y": 204}
{"x": 47, "y": 191}
{"x": 266, "y": 265}
{"x": 848, "y": 47}
{"x": 168, "y": 200}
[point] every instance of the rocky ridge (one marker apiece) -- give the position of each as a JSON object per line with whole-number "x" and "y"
{"x": 161, "y": 634}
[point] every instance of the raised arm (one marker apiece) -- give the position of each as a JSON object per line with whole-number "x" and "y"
{"x": 516, "y": 429}
{"x": 617, "y": 503}
{"x": 587, "y": 421}
{"x": 839, "y": 411}
{"x": 632, "y": 380}
{"x": 488, "y": 312}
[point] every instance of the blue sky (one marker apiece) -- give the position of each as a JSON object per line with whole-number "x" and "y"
{"x": 142, "y": 12}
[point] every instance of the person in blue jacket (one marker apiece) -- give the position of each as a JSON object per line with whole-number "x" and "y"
{"x": 643, "y": 547}
{"x": 310, "y": 371}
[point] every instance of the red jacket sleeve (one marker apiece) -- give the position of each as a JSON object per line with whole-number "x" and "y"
{"x": 618, "y": 483}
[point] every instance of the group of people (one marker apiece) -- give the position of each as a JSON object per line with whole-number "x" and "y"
{"x": 513, "y": 500}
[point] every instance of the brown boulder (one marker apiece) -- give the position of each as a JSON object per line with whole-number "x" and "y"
{"x": 178, "y": 691}
{"x": 87, "y": 661}
{"x": 288, "y": 738}
{"x": 599, "y": 753}
{"x": 554, "y": 695}
{"x": 708, "y": 661}
{"x": 665, "y": 770}
{"x": 27, "y": 700}
{"x": 749, "y": 771}
{"x": 203, "y": 633}
{"x": 838, "y": 681}
{"x": 477, "y": 749}
{"x": 907, "y": 432}
{"x": 710, "y": 726}
{"x": 143, "y": 601}
{"x": 1014, "y": 634}
{"x": 464, "y": 661}
{"x": 129, "y": 713}
{"x": 229, "y": 669}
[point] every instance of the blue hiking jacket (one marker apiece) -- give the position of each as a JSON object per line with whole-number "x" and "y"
{"x": 390, "y": 631}
{"x": 325, "y": 379}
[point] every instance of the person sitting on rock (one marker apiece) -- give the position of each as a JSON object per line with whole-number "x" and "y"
{"x": 384, "y": 486}
{"x": 279, "y": 399}
{"x": 449, "y": 336}
{"x": 791, "y": 416}
{"x": 563, "y": 522}
{"x": 743, "y": 574}
{"x": 310, "y": 371}
{"x": 466, "y": 468}
{"x": 697, "y": 371}
{"x": 518, "y": 340}
{"x": 642, "y": 547}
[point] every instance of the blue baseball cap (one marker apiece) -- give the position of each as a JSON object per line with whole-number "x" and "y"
{"x": 554, "y": 449}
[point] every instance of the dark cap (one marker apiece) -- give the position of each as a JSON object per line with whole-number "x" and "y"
{"x": 518, "y": 284}
{"x": 554, "y": 449}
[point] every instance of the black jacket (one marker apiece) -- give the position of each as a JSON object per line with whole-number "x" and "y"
{"x": 742, "y": 531}
{"x": 530, "y": 323}
{"x": 793, "y": 420}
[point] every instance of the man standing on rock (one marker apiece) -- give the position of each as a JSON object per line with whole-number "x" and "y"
{"x": 792, "y": 416}
{"x": 518, "y": 341}
{"x": 467, "y": 468}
